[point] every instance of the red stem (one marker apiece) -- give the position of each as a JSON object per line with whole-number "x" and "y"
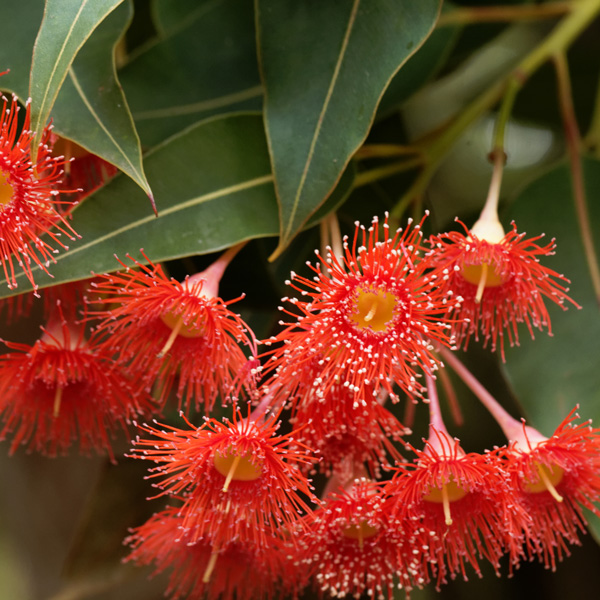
{"x": 573, "y": 140}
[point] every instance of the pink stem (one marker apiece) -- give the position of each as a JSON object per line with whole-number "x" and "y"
{"x": 218, "y": 267}
{"x": 511, "y": 427}
{"x": 212, "y": 274}
{"x": 451, "y": 397}
{"x": 490, "y": 210}
{"x": 440, "y": 441}
{"x": 435, "y": 414}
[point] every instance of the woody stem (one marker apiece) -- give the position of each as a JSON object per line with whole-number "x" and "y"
{"x": 438, "y": 434}
{"x": 498, "y": 154}
{"x": 262, "y": 407}
{"x": 451, "y": 397}
{"x": 592, "y": 138}
{"x": 573, "y": 148}
{"x": 559, "y": 39}
{"x": 324, "y": 237}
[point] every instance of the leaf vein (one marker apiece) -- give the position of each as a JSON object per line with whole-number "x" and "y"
{"x": 313, "y": 144}
{"x": 88, "y": 105}
{"x": 232, "y": 189}
{"x": 204, "y": 105}
{"x": 55, "y": 67}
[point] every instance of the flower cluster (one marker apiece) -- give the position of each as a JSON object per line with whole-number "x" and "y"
{"x": 379, "y": 319}
{"x": 281, "y": 451}
{"x": 240, "y": 492}
{"x": 555, "y": 479}
{"x": 446, "y": 510}
{"x": 351, "y": 546}
{"x": 374, "y": 320}
{"x": 199, "y": 571}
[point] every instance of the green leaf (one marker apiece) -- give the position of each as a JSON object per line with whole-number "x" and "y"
{"x": 204, "y": 65}
{"x": 17, "y": 43}
{"x": 337, "y": 197}
{"x": 168, "y": 15}
{"x": 213, "y": 187}
{"x": 593, "y": 525}
{"x": 551, "y": 374}
{"x": 419, "y": 69}
{"x": 91, "y": 108}
{"x": 66, "y": 25}
{"x": 325, "y": 66}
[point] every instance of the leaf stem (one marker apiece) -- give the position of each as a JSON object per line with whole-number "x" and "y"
{"x": 557, "y": 40}
{"x": 385, "y": 151}
{"x": 501, "y": 14}
{"x": 497, "y": 155}
{"x": 573, "y": 139}
{"x": 438, "y": 149}
{"x": 592, "y": 139}
{"x": 373, "y": 175}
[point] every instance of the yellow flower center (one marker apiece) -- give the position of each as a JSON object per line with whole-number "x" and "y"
{"x": 6, "y": 190}
{"x": 549, "y": 477}
{"x": 175, "y": 322}
{"x": 449, "y": 492}
{"x": 474, "y": 273}
{"x": 362, "y": 531}
{"x": 483, "y": 276}
{"x": 374, "y": 310}
{"x": 238, "y": 467}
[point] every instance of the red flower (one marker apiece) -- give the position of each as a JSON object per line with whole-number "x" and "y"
{"x": 70, "y": 295}
{"x": 164, "y": 330}
{"x": 370, "y": 320}
{"x": 350, "y": 548}
{"x": 239, "y": 571}
{"x": 554, "y": 480}
{"x": 84, "y": 171}
{"x": 345, "y": 432}
{"x": 458, "y": 503}
{"x": 28, "y": 198}
{"x": 238, "y": 478}
{"x": 500, "y": 281}
{"x": 64, "y": 388}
